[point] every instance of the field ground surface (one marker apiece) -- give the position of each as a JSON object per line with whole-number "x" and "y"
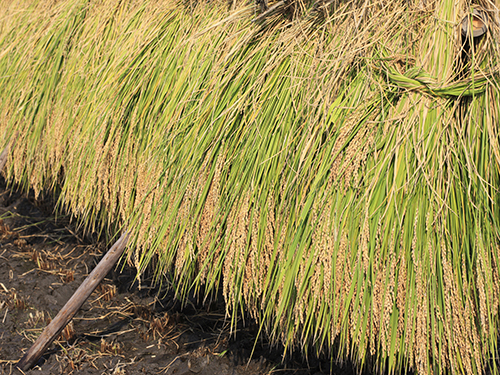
{"x": 121, "y": 328}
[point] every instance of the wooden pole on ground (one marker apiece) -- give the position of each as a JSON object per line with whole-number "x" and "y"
{"x": 73, "y": 305}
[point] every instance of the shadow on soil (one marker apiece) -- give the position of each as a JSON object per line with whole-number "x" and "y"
{"x": 121, "y": 329}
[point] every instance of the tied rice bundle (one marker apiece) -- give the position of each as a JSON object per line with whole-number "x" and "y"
{"x": 333, "y": 167}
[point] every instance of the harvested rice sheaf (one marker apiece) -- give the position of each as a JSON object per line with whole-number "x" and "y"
{"x": 332, "y": 167}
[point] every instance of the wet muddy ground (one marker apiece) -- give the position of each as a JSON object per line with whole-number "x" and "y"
{"x": 121, "y": 329}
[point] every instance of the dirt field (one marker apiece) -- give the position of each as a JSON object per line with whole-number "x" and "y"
{"x": 120, "y": 329}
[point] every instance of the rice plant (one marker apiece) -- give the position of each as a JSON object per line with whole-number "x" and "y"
{"x": 333, "y": 167}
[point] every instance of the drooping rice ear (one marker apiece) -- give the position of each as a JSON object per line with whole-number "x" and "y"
{"x": 335, "y": 177}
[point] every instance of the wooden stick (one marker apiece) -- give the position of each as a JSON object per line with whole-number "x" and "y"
{"x": 73, "y": 305}
{"x": 269, "y": 11}
{"x": 5, "y": 152}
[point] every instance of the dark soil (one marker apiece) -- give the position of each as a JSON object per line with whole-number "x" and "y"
{"x": 121, "y": 329}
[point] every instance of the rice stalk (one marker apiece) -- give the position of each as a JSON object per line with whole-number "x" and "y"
{"x": 332, "y": 168}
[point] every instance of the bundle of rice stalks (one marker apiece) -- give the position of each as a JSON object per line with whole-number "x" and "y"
{"x": 336, "y": 173}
